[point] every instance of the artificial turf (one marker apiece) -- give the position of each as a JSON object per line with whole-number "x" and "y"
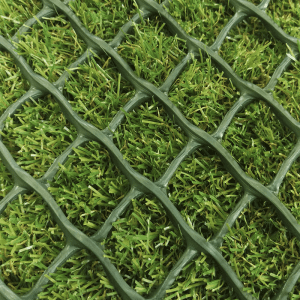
{"x": 143, "y": 244}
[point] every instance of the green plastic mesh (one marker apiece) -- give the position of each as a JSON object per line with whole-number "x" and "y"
{"x": 140, "y": 185}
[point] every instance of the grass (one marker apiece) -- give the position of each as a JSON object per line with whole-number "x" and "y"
{"x": 143, "y": 243}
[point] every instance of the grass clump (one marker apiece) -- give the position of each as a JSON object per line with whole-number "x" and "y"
{"x": 29, "y": 241}
{"x": 15, "y": 85}
{"x": 15, "y": 13}
{"x": 107, "y": 23}
{"x": 259, "y": 142}
{"x": 97, "y": 92}
{"x": 151, "y": 51}
{"x": 256, "y": 53}
{"x": 142, "y": 140}
{"x": 204, "y": 20}
{"x": 261, "y": 250}
{"x": 203, "y": 95}
{"x": 204, "y": 192}
{"x": 96, "y": 187}
{"x": 51, "y": 47}
{"x": 144, "y": 245}
{"x": 37, "y": 134}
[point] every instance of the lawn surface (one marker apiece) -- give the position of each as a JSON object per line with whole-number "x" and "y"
{"x": 88, "y": 187}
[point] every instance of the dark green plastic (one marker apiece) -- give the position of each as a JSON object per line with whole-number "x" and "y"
{"x": 195, "y": 243}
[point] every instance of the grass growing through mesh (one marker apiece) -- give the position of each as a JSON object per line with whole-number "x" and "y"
{"x": 30, "y": 241}
{"x": 143, "y": 244}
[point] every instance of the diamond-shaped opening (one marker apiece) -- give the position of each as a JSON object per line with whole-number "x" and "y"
{"x": 81, "y": 277}
{"x": 259, "y": 141}
{"x": 202, "y": 20}
{"x": 149, "y": 140}
{"x": 252, "y": 51}
{"x": 152, "y": 51}
{"x": 37, "y": 134}
{"x": 108, "y": 23}
{"x": 30, "y": 241}
{"x": 286, "y": 14}
{"x": 203, "y": 95}
{"x": 12, "y": 83}
{"x": 97, "y": 91}
{"x": 14, "y": 13}
{"x": 204, "y": 192}
{"x": 287, "y": 91}
{"x": 144, "y": 245}
{"x": 51, "y": 47}
{"x": 261, "y": 250}
{"x": 201, "y": 279}
{"x": 88, "y": 187}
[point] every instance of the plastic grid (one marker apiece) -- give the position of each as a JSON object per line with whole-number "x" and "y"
{"x": 77, "y": 240}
